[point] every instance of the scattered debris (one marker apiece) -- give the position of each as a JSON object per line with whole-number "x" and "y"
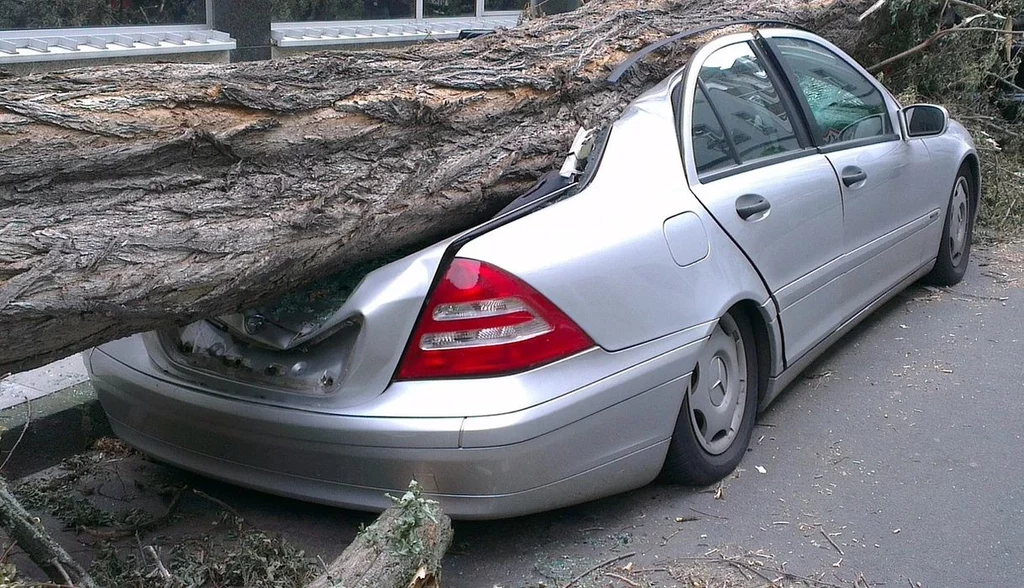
{"x": 593, "y": 569}
{"x": 830, "y": 540}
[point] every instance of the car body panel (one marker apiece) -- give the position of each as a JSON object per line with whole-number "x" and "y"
{"x": 791, "y": 245}
{"x": 352, "y": 460}
{"x": 644, "y": 257}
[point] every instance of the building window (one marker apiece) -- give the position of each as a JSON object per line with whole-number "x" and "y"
{"x": 499, "y": 5}
{"x": 442, "y": 8}
{"x": 340, "y": 10}
{"x": 57, "y": 14}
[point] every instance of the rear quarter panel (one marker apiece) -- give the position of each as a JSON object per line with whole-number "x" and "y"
{"x": 603, "y": 257}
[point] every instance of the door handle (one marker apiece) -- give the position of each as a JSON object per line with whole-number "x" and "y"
{"x": 853, "y": 174}
{"x": 750, "y": 204}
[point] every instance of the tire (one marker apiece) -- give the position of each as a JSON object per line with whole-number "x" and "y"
{"x": 957, "y": 232}
{"x": 704, "y": 450}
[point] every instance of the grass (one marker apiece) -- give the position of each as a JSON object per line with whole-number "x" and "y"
{"x": 231, "y": 553}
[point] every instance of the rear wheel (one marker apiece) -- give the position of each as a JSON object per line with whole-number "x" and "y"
{"x": 955, "y": 247}
{"x": 717, "y": 417}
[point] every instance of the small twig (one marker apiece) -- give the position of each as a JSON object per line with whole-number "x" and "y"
{"x": 665, "y": 538}
{"x": 834, "y": 544}
{"x": 789, "y": 575}
{"x": 64, "y": 573}
{"x": 597, "y": 567}
{"x": 218, "y": 502}
{"x": 1010, "y": 83}
{"x": 7, "y": 551}
{"x": 164, "y": 574}
{"x": 874, "y": 7}
{"x": 975, "y": 7}
{"x": 1009, "y": 209}
{"x": 742, "y": 565}
{"x": 28, "y": 421}
{"x": 624, "y": 579}
{"x": 977, "y": 296}
{"x": 739, "y": 563}
{"x": 997, "y": 128}
{"x": 707, "y": 514}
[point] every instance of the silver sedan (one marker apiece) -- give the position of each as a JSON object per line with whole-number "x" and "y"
{"x": 625, "y": 319}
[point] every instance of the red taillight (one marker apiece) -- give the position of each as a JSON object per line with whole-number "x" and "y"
{"x": 483, "y": 321}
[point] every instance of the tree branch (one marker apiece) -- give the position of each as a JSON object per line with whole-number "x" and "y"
{"x": 24, "y": 529}
{"x": 975, "y": 7}
{"x": 935, "y": 37}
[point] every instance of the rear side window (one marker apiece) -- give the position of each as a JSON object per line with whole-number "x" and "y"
{"x": 845, "y": 106}
{"x": 711, "y": 149}
{"x": 737, "y": 115}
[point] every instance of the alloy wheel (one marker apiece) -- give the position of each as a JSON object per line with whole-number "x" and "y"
{"x": 718, "y": 389}
{"x": 959, "y": 218}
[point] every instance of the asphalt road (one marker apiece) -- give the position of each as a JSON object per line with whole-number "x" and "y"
{"x": 902, "y": 444}
{"x": 896, "y": 457}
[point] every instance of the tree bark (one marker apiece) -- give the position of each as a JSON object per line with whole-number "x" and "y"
{"x": 33, "y": 539}
{"x": 141, "y": 196}
{"x": 403, "y": 548}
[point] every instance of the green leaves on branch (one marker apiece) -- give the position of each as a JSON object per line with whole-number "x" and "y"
{"x": 950, "y": 50}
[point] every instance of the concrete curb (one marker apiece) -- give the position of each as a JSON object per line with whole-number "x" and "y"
{"x": 62, "y": 424}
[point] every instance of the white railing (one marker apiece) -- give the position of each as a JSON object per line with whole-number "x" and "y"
{"x": 307, "y": 34}
{"x": 33, "y": 45}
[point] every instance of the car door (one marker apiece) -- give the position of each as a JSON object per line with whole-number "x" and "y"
{"x": 751, "y": 165}
{"x": 886, "y": 203}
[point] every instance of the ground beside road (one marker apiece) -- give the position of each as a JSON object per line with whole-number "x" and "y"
{"x": 895, "y": 458}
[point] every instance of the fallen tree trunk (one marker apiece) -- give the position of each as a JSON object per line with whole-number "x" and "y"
{"x": 141, "y": 196}
{"x": 403, "y": 548}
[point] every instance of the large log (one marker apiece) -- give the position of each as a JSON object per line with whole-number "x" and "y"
{"x": 134, "y": 197}
{"x": 403, "y": 548}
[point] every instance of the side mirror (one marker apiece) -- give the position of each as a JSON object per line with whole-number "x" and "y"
{"x": 925, "y": 120}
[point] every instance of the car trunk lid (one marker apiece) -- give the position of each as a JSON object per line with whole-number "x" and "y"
{"x": 331, "y": 345}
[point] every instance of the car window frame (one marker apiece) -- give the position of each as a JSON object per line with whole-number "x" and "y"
{"x": 684, "y": 93}
{"x": 767, "y": 37}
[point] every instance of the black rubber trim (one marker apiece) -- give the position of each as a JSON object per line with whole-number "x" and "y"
{"x": 678, "y": 96}
{"x": 792, "y": 88}
{"x": 721, "y": 124}
{"x": 784, "y": 91}
{"x": 833, "y": 147}
{"x": 757, "y": 163}
{"x": 629, "y": 62}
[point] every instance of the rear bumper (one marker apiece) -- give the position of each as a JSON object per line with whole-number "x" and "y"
{"x": 577, "y": 449}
